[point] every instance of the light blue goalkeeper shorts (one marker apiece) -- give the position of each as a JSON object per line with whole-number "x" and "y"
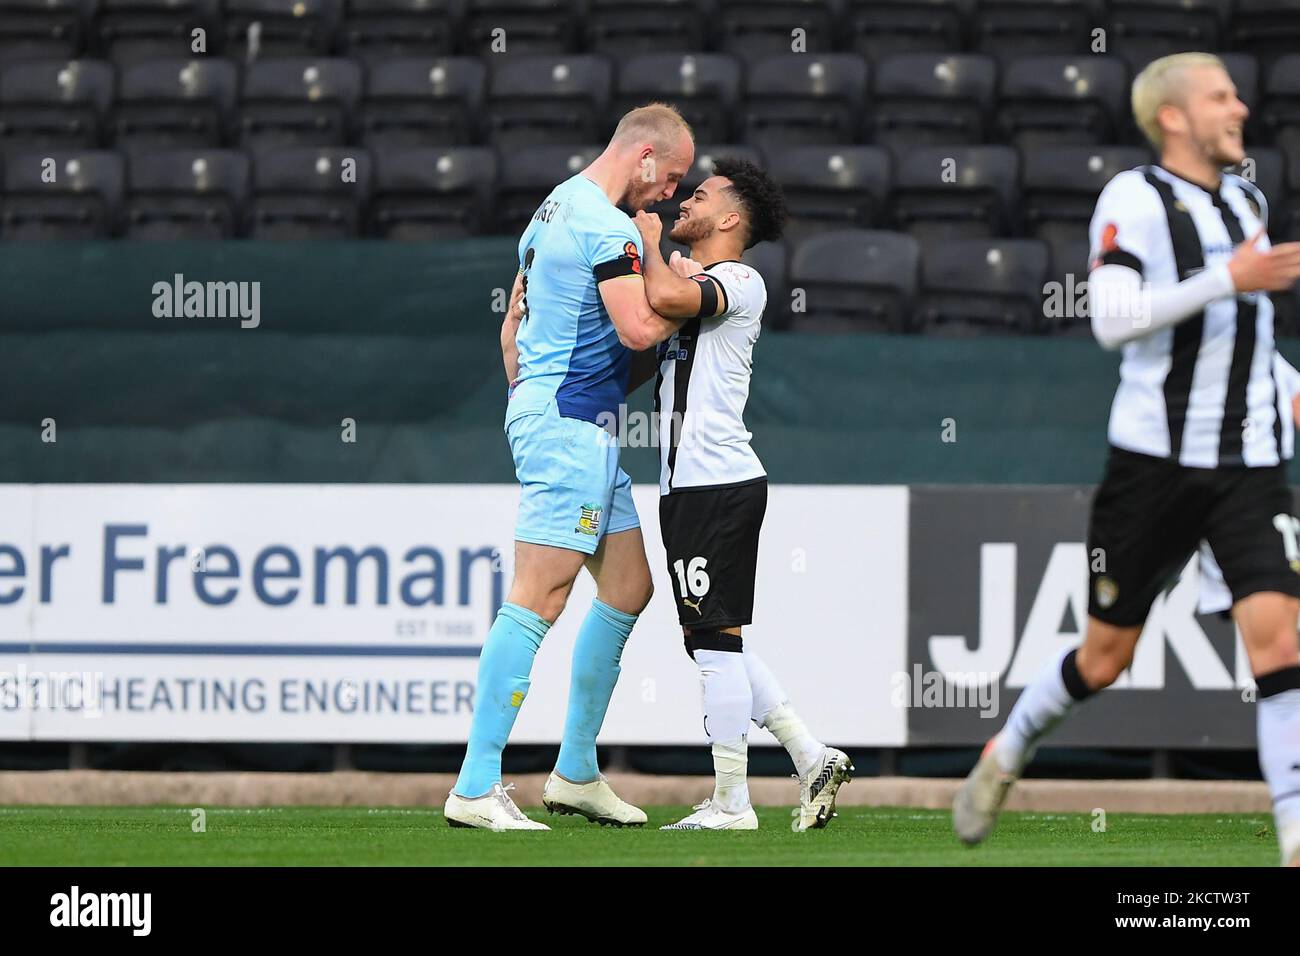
{"x": 572, "y": 491}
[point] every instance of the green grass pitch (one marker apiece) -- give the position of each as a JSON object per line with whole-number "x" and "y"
{"x": 359, "y": 836}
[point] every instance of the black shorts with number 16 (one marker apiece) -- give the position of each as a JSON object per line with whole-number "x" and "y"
{"x": 711, "y": 536}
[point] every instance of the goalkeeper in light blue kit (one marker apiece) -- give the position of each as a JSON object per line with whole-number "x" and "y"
{"x": 577, "y": 311}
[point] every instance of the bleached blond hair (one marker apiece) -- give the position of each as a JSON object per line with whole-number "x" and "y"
{"x": 1160, "y": 84}
{"x": 657, "y": 123}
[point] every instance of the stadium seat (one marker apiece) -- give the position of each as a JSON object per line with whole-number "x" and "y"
{"x": 518, "y": 26}
{"x": 175, "y": 102}
{"x": 755, "y": 29}
{"x": 428, "y": 193}
{"x": 422, "y": 102}
{"x": 803, "y": 98}
{"x": 1006, "y": 29}
{"x": 58, "y": 104}
{"x": 926, "y": 98}
{"x": 186, "y": 194}
{"x": 1143, "y": 30}
{"x": 528, "y": 176}
{"x": 705, "y": 87}
{"x": 942, "y": 191}
{"x": 376, "y": 31}
{"x": 309, "y": 192}
{"x": 298, "y": 101}
{"x": 1059, "y": 189}
{"x": 979, "y": 286}
{"x": 700, "y": 170}
{"x": 769, "y": 260}
{"x": 61, "y": 195}
{"x": 1268, "y": 29}
{"x": 43, "y": 29}
{"x": 547, "y": 99}
{"x": 260, "y": 28}
{"x": 128, "y": 31}
{"x": 1061, "y": 99}
{"x": 853, "y": 280}
{"x": 876, "y": 28}
{"x": 1285, "y": 222}
{"x": 1280, "y": 110}
{"x": 617, "y": 28}
{"x": 832, "y": 187}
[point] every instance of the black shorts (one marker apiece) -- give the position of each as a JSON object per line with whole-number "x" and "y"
{"x": 1150, "y": 514}
{"x": 711, "y": 536}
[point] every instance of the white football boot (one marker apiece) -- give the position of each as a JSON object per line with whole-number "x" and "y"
{"x": 596, "y": 801}
{"x": 975, "y": 808}
{"x": 818, "y": 787}
{"x": 709, "y": 816}
{"x": 492, "y": 811}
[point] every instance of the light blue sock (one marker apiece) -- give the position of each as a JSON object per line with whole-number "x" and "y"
{"x": 596, "y": 655}
{"x": 503, "y": 670}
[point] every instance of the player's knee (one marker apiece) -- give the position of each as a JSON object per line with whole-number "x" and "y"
{"x": 1101, "y": 669}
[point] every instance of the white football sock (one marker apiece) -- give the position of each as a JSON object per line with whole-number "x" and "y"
{"x": 727, "y": 705}
{"x": 1040, "y": 707}
{"x": 804, "y": 749}
{"x": 763, "y": 685}
{"x": 1278, "y": 723}
{"x": 730, "y": 768}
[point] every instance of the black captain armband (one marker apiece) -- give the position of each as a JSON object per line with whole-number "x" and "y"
{"x": 628, "y": 264}
{"x": 708, "y": 296}
{"x": 1118, "y": 257}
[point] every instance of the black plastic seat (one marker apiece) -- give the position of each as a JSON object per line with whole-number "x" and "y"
{"x": 1046, "y": 100}
{"x": 181, "y": 102}
{"x": 1144, "y": 30}
{"x": 175, "y": 194}
{"x": 130, "y": 31}
{"x": 377, "y": 31}
{"x": 705, "y": 88}
{"x": 309, "y": 192}
{"x": 59, "y": 104}
{"x": 61, "y": 194}
{"x": 298, "y": 101}
{"x": 755, "y": 29}
{"x": 427, "y": 193}
{"x": 928, "y": 98}
{"x": 528, "y": 176}
{"x": 804, "y": 98}
{"x": 547, "y": 99}
{"x": 617, "y": 28}
{"x": 958, "y": 191}
{"x": 1268, "y": 29}
{"x": 270, "y": 28}
{"x": 1006, "y": 29}
{"x": 832, "y": 187}
{"x": 982, "y": 286}
{"x": 518, "y": 26}
{"x": 43, "y": 29}
{"x": 877, "y": 28}
{"x": 854, "y": 280}
{"x": 1280, "y": 110}
{"x": 422, "y": 102}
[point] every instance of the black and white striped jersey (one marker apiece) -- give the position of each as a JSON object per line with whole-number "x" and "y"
{"x": 702, "y": 387}
{"x": 1201, "y": 392}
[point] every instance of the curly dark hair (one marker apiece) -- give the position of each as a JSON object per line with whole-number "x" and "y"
{"x": 758, "y": 195}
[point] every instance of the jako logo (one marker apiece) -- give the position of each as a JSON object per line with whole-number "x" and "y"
{"x": 102, "y": 909}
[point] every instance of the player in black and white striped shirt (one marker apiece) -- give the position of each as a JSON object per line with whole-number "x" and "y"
{"x": 714, "y": 489}
{"x": 1181, "y": 271}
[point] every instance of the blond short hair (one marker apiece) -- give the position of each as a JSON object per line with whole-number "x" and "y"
{"x": 1160, "y": 84}
{"x": 657, "y": 123}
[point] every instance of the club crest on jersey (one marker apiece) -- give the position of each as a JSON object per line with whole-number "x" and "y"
{"x": 1107, "y": 592}
{"x": 589, "y": 520}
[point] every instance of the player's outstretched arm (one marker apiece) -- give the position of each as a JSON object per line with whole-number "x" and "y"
{"x": 671, "y": 294}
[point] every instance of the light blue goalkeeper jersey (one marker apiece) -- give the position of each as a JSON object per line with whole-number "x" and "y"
{"x": 569, "y": 351}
